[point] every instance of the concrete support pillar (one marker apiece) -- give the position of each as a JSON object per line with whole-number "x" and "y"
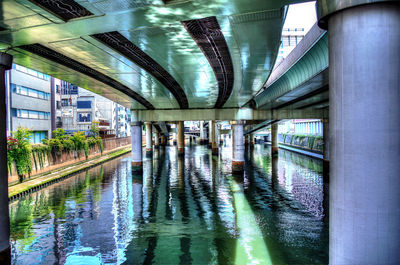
{"x": 162, "y": 139}
{"x": 237, "y": 146}
{"x": 181, "y": 138}
{"x": 246, "y": 140}
{"x": 220, "y": 139}
{"x": 213, "y": 137}
{"x": 325, "y": 161}
{"x": 174, "y": 137}
{"x": 274, "y": 140}
{"x": 251, "y": 136}
{"x": 136, "y": 142}
{"x": 210, "y": 131}
{"x": 364, "y": 96}
{"x": 201, "y": 138}
{"x": 5, "y": 253}
{"x": 149, "y": 138}
{"x": 205, "y": 133}
{"x": 156, "y": 139}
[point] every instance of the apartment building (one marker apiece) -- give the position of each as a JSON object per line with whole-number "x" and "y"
{"x": 28, "y": 98}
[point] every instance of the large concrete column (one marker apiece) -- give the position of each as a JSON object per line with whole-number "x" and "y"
{"x": 274, "y": 140}
{"x": 211, "y": 130}
{"x": 213, "y": 137}
{"x": 251, "y": 136}
{"x": 149, "y": 139}
{"x": 364, "y": 96}
{"x": 174, "y": 138}
{"x": 205, "y": 133}
{"x": 163, "y": 139}
{"x": 220, "y": 140}
{"x": 237, "y": 146}
{"x": 136, "y": 142}
{"x": 156, "y": 139}
{"x": 325, "y": 161}
{"x": 246, "y": 140}
{"x": 201, "y": 138}
{"x": 5, "y": 254}
{"x": 181, "y": 138}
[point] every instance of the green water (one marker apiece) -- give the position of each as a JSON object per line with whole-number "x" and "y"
{"x": 187, "y": 210}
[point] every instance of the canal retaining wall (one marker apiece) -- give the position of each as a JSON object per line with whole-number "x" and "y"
{"x": 66, "y": 158}
{"x": 311, "y": 143}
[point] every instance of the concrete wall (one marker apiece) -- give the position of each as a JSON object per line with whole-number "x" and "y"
{"x": 30, "y": 81}
{"x": 70, "y": 157}
{"x": 308, "y": 143}
{"x": 33, "y": 124}
{"x": 30, "y": 103}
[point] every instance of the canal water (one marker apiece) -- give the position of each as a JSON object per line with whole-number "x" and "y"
{"x": 189, "y": 210}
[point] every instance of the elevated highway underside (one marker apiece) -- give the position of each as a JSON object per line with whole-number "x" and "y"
{"x": 172, "y": 61}
{"x": 150, "y": 54}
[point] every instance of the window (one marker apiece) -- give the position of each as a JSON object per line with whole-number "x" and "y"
{"x": 68, "y": 89}
{"x": 84, "y": 104}
{"x": 84, "y": 117}
{"x": 38, "y": 136}
{"x": 31, "y": 114}
{"x": 31, "y": 72}
{"x": 26, "y": 91}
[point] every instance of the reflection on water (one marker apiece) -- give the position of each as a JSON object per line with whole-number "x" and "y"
{"x": 187, "y": 210}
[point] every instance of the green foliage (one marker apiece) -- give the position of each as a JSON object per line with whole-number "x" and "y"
{"x": 78, "y": 138}
{"x": 59, "y": 134}
{"x": 19, "y": 151}
{"x": 310, "y": 143}
{"x": 100, "y": 144}
{"x": 91, "y": 142}
{"x": 24, "y": 155}
{"x": 39, "y": 153}
{"x": 68, "y": 144}
{"x": 55, "y": 146}
{"x": 94, "y": 129}
{"x": 86, "y": 149}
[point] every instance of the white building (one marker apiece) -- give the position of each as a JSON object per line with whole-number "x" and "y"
{"x": 28, "y": 99}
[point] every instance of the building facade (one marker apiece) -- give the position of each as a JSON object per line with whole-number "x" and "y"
{"x": 289, "y": 40}
{"x": 28, "y": 95}
{"x": 43, "y": 103}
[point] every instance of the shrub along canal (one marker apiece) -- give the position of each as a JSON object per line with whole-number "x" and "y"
{"x": 187, "y": 210}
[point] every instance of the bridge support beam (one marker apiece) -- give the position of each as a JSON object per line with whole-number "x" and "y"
{"x": 364, "y": 89}
{"x": 237, "y": 147}
{"x": 5, "y": 253}
{"x": 274, "y": 140}
{"x": 149, "y": 139}
{"x": 213, "y": 137}
{"x": 136, "y": 143}
{"x": 156, "y": 139}
{"x": 181, "y": 138}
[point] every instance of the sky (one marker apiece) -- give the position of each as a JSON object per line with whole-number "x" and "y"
{"x": 301, "y": 16}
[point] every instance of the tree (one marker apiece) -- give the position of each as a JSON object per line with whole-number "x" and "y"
{"x": 59, "y": 134}
{"x": 94, "y": 129}
{"x": 19, "y": 151}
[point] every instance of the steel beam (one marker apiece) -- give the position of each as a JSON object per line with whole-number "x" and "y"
{"x": 228, "y": 114}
